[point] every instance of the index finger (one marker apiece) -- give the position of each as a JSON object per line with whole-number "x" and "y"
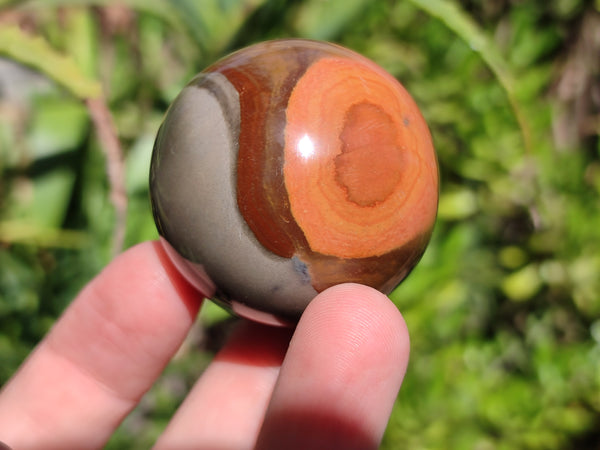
{"x": 101, "y": 356}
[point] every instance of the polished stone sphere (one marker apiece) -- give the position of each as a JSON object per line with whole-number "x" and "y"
{"x": 288, "y": 167}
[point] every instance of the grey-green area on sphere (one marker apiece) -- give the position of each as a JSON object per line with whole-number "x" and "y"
{"x": 205, "y": 117}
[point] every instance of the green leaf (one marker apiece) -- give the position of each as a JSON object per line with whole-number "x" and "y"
{"x": 42, "y": 201}
{"x": 523, "y": 284}
{"x": 458, "y": 204}
{"x": 35, "y": 52}
{"x": 58, "y": 125}
{"x": 82, "y": 43}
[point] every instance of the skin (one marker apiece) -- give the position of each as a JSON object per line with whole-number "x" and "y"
{"x": 330, "y": 383}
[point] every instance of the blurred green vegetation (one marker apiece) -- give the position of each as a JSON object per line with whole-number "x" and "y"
{"x": 503, "y": 310}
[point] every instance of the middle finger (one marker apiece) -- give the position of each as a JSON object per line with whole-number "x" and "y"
{"x": 226, "y": 406}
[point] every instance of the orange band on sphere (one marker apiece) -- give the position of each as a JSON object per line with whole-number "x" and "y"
{"x": 360, "y": 169}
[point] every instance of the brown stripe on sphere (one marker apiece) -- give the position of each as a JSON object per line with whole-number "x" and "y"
{"x": 383, "y": 272}
{"x": 264, "y": 81}
{"x": 194, "y": 200}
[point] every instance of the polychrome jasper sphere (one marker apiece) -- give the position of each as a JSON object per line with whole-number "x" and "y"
{"x": 288, "y": 167}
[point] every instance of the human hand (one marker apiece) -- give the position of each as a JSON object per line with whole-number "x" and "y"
{"x": 330, "y": 383}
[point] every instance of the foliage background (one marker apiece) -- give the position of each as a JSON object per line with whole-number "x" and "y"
{"x": 503, "y": 310}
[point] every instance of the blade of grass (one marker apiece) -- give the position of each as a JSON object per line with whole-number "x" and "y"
{"x": 461, "y": 23}
{"x": 12, "y": 232}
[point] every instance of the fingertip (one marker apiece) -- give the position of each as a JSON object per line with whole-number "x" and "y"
{"x": 357, "y": 308}
{"x": 342, "y": 373}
